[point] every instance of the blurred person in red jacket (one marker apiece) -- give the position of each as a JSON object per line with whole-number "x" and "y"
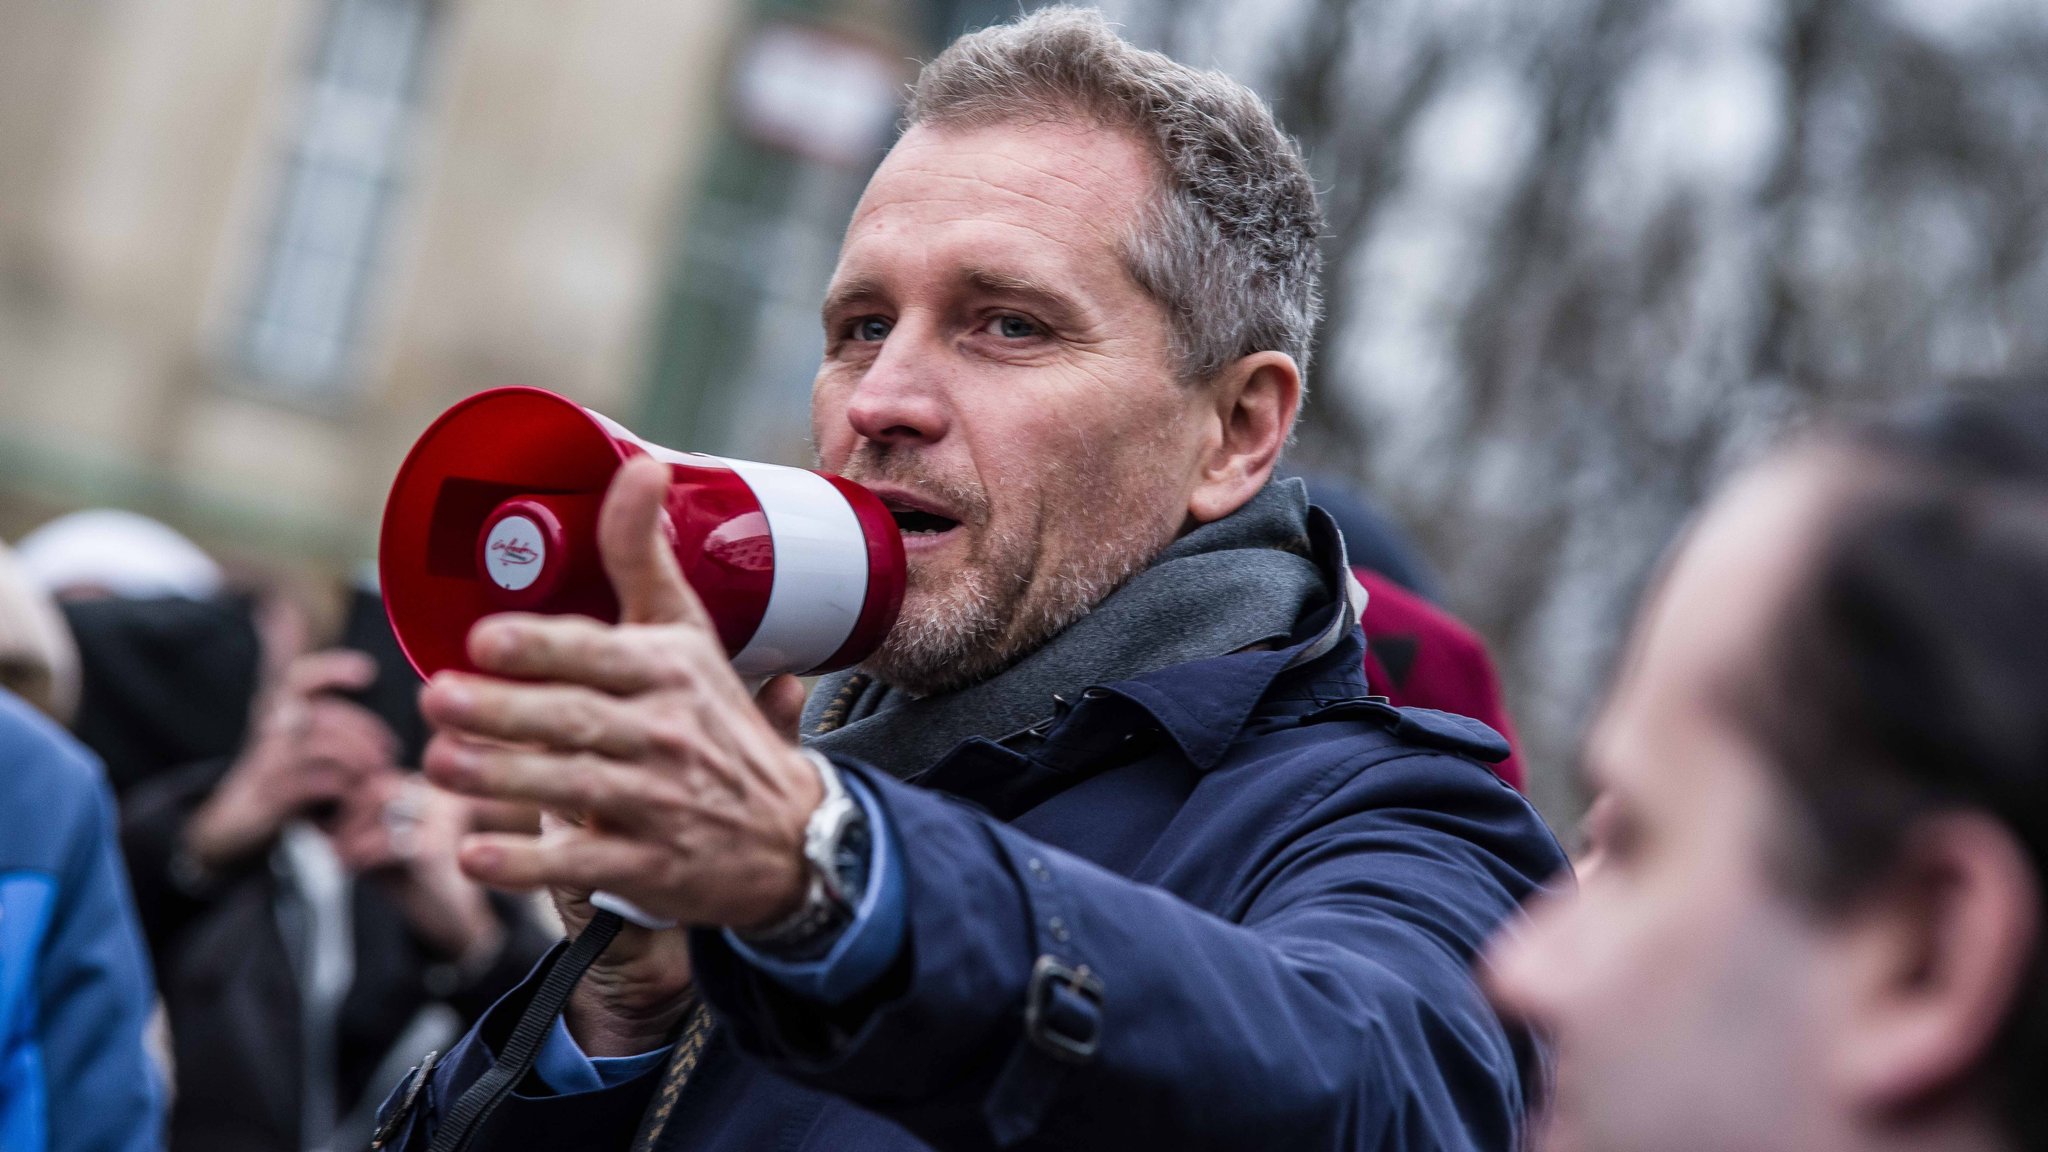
{"x": 1810, "y": 914}
{"x": 1416, "y": 654}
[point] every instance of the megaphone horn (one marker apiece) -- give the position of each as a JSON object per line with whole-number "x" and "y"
{"x": 496, "y": 507}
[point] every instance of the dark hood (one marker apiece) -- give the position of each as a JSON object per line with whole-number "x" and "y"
{"x": 166, "y": 682}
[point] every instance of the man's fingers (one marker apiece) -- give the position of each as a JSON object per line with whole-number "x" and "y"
{"x": 781, "y": 701}
{"x": 577, "y": 782}
{"x": 564, "y": 717}
{"x": 578, "y": 650}
{"x": 574, "y": 649}
{"x": 488, "y": 815}
{"x": 575, "y": 859}
{"x": 633, "y": 540}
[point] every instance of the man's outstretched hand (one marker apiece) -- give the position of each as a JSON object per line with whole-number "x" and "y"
{"x": 664, "y": 781}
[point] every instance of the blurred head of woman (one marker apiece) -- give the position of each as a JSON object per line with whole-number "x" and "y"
{"x": 1810, "y": 910}
{"x": 38, "y": 660}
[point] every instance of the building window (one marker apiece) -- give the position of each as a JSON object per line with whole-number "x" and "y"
{"x": 342, "y": 168}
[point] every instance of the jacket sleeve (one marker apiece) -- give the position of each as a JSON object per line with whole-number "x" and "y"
{"x": 94, "y": 989}
{"x": 153, "y": 817}
{"x": 532, "y": 1115}
{"x": 1041, "y": 999}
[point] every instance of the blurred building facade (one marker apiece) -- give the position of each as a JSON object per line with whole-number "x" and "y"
{"x": 249, "y": 249}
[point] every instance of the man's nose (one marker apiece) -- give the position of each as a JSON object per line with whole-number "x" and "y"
{"x": 1518, "y": 965}
{"x": 901, "y": 397}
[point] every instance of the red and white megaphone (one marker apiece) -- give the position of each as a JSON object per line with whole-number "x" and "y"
{"x": 495, "y": 509}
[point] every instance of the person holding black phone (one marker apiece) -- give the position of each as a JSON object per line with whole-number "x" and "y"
{"x": 310, "y": 927}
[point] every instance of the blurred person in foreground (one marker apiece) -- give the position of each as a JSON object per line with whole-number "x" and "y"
{"x": 297, "y": 886}
{"x": 75, "y": 993}
{"x": 38, "y": 658}
{"x": 313, "y": 933}
{"x": 1811, "y": 913}
{"x": 167, "y": 654}
{"x": 1106, "y": 847}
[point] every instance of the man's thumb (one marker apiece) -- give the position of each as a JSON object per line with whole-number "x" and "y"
{"x": 781, "y": 701}
{"x": 633, "y": 540}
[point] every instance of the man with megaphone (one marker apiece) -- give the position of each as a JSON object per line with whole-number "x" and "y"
{"x": 1107, "y": 846}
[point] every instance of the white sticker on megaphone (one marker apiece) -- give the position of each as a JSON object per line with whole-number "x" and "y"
{"x": 514, "y": 553}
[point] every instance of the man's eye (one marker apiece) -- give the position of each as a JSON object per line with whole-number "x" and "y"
{"x": 1013, "y": 328}
{"x": 870, "y": 328}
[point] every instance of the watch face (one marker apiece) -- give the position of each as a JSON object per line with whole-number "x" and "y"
{"x": 850, "y": 857}
{"x": 838, "y": 841}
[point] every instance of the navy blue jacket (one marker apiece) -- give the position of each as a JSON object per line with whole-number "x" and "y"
{"x": 75, "y": 992}
{"x": 1229, "y": 904}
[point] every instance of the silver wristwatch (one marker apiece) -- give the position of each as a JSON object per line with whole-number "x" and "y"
{"x": 832, "y": 862}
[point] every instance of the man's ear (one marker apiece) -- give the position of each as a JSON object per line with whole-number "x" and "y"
{"x": 1940, "y": 952}
{"x": 1255, "y": 402}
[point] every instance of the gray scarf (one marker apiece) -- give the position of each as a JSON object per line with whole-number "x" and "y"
{"x": 1232, "y": 583}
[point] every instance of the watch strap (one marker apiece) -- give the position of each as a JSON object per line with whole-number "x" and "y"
{"x": 826, "y": 907}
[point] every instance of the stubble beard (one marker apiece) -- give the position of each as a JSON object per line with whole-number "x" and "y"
{"x": 963, "y": 626}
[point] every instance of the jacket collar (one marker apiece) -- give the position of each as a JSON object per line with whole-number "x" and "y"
{"x": 1202, "y": 707}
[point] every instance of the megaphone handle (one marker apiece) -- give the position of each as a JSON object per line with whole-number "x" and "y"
{"x": 630, "y": 912}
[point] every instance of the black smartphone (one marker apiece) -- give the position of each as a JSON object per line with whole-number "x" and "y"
{"x": 395, "y": 694}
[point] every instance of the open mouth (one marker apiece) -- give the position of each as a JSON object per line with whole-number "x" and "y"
{"x": 918, "y": 522}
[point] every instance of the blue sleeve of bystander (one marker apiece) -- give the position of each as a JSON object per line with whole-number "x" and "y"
{"x": 75, "y": 987}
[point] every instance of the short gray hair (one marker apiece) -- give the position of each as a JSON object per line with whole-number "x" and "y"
{"x": 1230, "y": 247}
